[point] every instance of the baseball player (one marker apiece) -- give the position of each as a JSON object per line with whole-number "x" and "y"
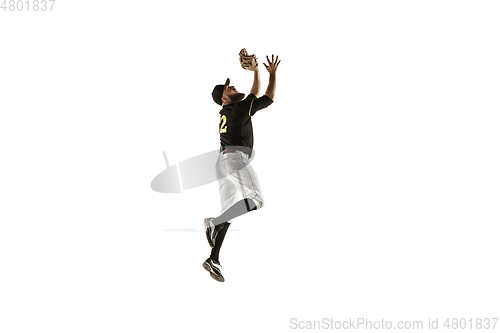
{"x": 234, "y": 173}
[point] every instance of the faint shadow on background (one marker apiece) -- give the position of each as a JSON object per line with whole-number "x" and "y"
{"x": 193, "y": 172}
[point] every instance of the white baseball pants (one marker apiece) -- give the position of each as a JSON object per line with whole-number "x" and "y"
{"x": 237, "y": 177}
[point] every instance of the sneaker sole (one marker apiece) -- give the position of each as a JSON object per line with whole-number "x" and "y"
{"x": 214, "y": 276}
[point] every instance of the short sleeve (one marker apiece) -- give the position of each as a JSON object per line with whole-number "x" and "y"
{"x": 251, "y": 104}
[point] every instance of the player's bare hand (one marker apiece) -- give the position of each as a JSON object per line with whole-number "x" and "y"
{"x": 272, "y": 65}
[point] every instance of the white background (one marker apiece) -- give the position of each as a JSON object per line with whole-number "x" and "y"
{"x": 378, "y": 160}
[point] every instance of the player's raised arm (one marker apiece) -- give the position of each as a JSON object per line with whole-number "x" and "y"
{"x": 256, "y": 83}
{"x": 249, "y": 62}
{"x": 271, "y": 67}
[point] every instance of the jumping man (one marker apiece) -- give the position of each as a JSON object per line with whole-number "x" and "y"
{"x": 234, "y": 173}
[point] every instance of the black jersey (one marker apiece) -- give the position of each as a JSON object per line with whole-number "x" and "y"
{"x": 235, "y": 126}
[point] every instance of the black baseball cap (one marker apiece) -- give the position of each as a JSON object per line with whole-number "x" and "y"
{"x": 218, "y": 91}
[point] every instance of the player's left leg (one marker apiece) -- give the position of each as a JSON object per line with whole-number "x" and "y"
{"x": 212, "y": 264}
{"x": 228, "y": 195}
{"x": 222, "y": 229}
{"x": 214, "y": 268}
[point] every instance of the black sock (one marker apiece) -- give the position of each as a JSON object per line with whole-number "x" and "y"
{"x": 219, "y": 239}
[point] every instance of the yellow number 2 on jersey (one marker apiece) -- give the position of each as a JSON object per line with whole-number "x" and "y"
{"x": 223, "y": 128}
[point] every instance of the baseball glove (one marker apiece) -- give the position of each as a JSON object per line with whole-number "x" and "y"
{"x": 248, "y": 61}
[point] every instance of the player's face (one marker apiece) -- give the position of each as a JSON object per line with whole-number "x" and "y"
{"x": 230, "y": 90}
{"x": 231, "y": 95}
